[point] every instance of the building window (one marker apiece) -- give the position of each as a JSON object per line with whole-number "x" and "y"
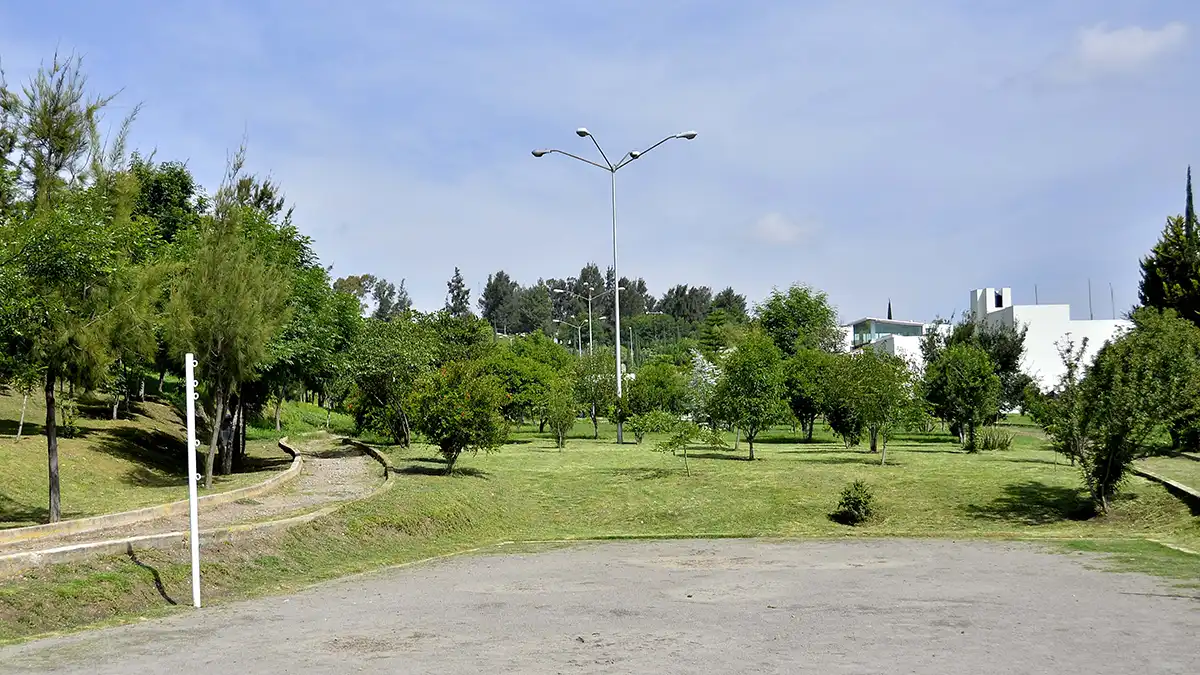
{"x": 999, "y": 301}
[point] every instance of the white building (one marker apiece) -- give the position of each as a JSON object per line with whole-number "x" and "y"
{"x": 1046, "y": 326}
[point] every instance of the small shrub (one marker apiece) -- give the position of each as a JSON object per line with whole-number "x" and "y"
{"x": 993, "y": 438}
{"x": 856, "y": 505}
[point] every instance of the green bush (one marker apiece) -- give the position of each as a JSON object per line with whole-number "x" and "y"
{"x": 856, "y": 505}
{"x": 993, "y": 438}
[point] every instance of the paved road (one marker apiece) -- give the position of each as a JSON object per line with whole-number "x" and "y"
{"x": 680, "y": 607}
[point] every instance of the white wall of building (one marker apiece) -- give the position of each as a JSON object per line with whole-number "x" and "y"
{"x": 1046, "y": 327}
{"x": 907, "y": 347}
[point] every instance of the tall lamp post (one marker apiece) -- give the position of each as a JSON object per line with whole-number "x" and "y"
{"x": 578, "y": 334}
{"x": 589, "y": 299}
{"x": 612, "y": 172}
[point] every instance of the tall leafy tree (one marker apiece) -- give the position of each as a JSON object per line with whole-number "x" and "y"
{"x": 532, "y": 309}
{"x": 230, "y": 301}
{"x": 497, "y": 303}
{"x": 732, "y": 303}
{"x": 964, "y": 388}
{"x": 801, "y": 317}
{"x": 68, "y": 241}
{"x": 805, "y": 373}
{"x": 749, "y": 394}
{"x": 459, "y": 410}
{"x": 595, "y": 386}
{"x": 886, "y": 398}
{"x": 391, "y": 301}
{"x": 458, "y": 296}
{"x": 381, "y": 372}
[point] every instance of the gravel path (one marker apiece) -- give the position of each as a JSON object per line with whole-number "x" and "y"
{"x": 331, "y": 472}
{"x": 726, "y": 606}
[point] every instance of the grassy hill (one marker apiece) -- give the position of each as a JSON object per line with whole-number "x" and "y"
{"x": 111, "y": 465}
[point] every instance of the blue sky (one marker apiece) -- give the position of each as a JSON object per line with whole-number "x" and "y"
{"x": 909, "y": 150}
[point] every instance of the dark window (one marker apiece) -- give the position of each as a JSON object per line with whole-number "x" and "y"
{"x": 999, "y": 301}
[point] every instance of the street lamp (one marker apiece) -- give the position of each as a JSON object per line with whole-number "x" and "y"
{"x": 589, "y": 299}
{"x": 578, "y": 334}
{"x": 612, "y": 169}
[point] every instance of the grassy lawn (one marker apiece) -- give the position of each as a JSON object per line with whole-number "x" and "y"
{"x": 118, "y": 465}
{"x": 531, "y": 491}
{"x": 1179, "y": 469}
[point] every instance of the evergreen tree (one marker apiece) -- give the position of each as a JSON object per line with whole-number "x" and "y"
{"x": 497, "y": 303}
{"x": 1171, "y": 273}
{"x": 458, "y": 297}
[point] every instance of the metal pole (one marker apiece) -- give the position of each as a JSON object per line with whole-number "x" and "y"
{"x": 579, "y": 341}
{"x": 632, "y": 358}
{"x": 1091, "y": 315}
{"x": 589, "y": 321}
{"x": 1112, "y": 299}
{"x": 189, "y": 368}
{"x": 616, "y": 297}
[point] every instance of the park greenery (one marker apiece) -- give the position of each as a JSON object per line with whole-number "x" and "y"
{"x": 114, "y": 265}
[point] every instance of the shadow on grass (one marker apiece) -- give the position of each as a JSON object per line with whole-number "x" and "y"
{"x": 741, "y": 454}
{"x": 9, "y": 428}
{"x": 642, "y": 473}
{"x": 158, "y": 582}
{"x": 1035, "y": 503}
{"x": 866, "y": 459}
{"x": 422, "y": 470}
{"x": 156, "y": 450}
{"x": 520, "y": 441}
{"x": 16, "y": 514}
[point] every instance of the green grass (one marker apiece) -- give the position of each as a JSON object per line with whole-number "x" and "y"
{"x": 117, "y": 465}
{"x": 530, "y": 491}
{"x": 1179, "y": 469}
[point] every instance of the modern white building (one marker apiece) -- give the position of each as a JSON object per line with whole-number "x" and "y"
{"x": 1046, "y": 327}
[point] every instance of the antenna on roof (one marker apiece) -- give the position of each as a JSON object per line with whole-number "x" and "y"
{"x": 1090, "y": 314}
{"x": 1113, "y": 300}
{"x": 1035, "y": 295}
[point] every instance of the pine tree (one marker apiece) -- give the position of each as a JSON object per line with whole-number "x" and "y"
{"x": 458, "y": 299}
{"x": 1171, "y": 272}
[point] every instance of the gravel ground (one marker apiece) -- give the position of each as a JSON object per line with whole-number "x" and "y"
{"x": 726, "y": 606}
{"x": 330, "y": 473}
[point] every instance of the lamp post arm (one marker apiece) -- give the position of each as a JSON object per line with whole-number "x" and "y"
{"x": 585, "y": 161}
{"x": 629, "y": 157}
{"x": 597, "y": 144}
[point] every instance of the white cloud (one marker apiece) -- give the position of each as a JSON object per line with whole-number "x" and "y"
{"x": 1100, "y": 50}
{"x": 774, "y": 228}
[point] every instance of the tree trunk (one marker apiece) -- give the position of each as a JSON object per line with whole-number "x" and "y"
{"x": 211, "y": 459}
{"x": 542, "y": 426}
{"x": 278, "y": 411}
{"x": 142, "y": 387}
{"x": 21, "y": 424}
{"x": 116, "y": 403}
{"x": 809, "y": 431}
{"x": 737, "y": 438}
{"x": 405, "y": 429}
{"x": 883, "y": 455}
{"x": 328, "y": 414}
{"x": 235, "y": 445}
{"x": 874, "y": 433}
{"x": 52, "y": 448}
{"x": 241, "y": 438}
{"x": 750, "y": 442}
{"x": 162, "y": 376}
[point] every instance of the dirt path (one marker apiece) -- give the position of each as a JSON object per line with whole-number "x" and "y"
{"x": 726, "y": 606}
{"x": 331, "y": 473}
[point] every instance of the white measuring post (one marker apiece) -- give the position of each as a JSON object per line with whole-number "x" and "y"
{"x": 192, "y": 445}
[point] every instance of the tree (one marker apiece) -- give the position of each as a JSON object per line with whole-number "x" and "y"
{"x": 561, "y": 407}
{"x": 689, "y": 304}
{"x": 1171, "y": 272}
{"x": 458, "y": 410}
{"x": 68, "y": 243}
{"x": 840, "y": 394}
{"x": 702, "y": 379}
{"x": 884, "y": 397}
{"x": 595, "y": 382}
{"x": 656, "y": 386}
{"x": 526, "y": 383}
{"x": 381, "y": 371}
{"x": 1062, "y": 413}
{"x": 229, "y": 302}
{"x": 532, "y": 309}
{"x": 800, "y": 318}
{"x": 732, "y": 303}
{"x": 1146, "y": 379}
{"x": 966, "y": 387}
{"x": 804, "y": 375}
{"x": 1004, "y": 345}
{"x": 497, "y": 304}
{"x": 168, "y": 195}
{"x": 458, "y": 296}
{"x": 749, "y": 394}
{"x": 391, "y": 301}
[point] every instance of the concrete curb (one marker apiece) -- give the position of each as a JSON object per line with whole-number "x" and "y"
{"x": 80, "y": 525}
{"x": 19, "y": 562}
{"x": 1191, "y": 456}
{"x": 1181, "y": 490}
